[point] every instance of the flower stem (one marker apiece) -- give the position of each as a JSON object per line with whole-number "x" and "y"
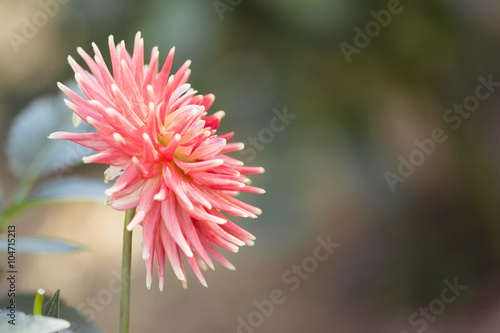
{"x": 37, "y": 306}
{"x": 126, "y": 264}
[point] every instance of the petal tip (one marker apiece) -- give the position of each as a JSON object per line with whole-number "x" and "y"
{"x": 76, "y": 120}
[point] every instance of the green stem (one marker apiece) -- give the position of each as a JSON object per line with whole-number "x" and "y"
{"x": 7, "y": 215}
{"x": 126, "y": 265}
{"x": 37, "y": 305}
{"x": 15, "y": 209}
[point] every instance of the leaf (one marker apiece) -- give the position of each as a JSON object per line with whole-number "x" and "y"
{"x": 51, "y": 308}
{"x": 28, "y": 149}
{"x": 31, "y": 324}
{"x": 70, "y": 189}
{"x": 79, "y": 323}
{"x": 39, "y": 245}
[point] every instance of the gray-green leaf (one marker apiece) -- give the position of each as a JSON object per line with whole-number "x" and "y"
{"x": 70, "y": 189}
{"x": 39, "y": 245}
{"x": 28, "y": 149}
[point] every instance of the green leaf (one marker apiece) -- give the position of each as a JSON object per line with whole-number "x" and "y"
{"x": 39, "y": 245}
{"x": 70, "y": 189}
{"x": 31, "y": 324}
{"x": 51, "y": 308}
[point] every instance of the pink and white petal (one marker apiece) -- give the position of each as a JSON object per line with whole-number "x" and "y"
{"x": 249, "y": 170}
{"x": 112, "y": 156}
{"x": 216, "y": 254}
{"x": 217, "y": 180}
{"x": 180, "y": 75}
{"x": 90, "y": 140}
{"x": 219, "y": 241}
{"x": 196, "y": 269}
{"x": 172, "y": 224}
{"x": 146, "y": 204}
{"x": 208, "y": 149}
{"x": 191, "y": 236}
{"x": 161, "y": 81}
{"x": 175, "y": 182}
{"x": 194, "y": 167}
{"x": 111, "y": 173}
{"x": 138, "y": 60}
{"x": 234, "y": 146}
{"x": 152, "y": 69}
{"x": 127, "y": 179}
{"x": 172, "y": 251}
{"x": 150, "y": 234}
{"x": 149, "y": 230}
{"x": 238, "y": 232}
{"x": 214, "y": 120}
{"x": 160, "y": 259}
{"x": 126, "y": 202}
{"x": 244, "y": 205}
{"x": 252, "y": 189}
{"x": 229, "y": 160}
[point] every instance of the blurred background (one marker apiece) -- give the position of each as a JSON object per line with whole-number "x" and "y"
{"x": 356, "y": 101}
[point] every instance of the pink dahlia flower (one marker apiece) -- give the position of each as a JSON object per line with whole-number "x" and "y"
{"x": 153, "y": 131}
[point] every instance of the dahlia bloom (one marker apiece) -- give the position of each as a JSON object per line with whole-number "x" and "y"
{"x": 153, "y": 131}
